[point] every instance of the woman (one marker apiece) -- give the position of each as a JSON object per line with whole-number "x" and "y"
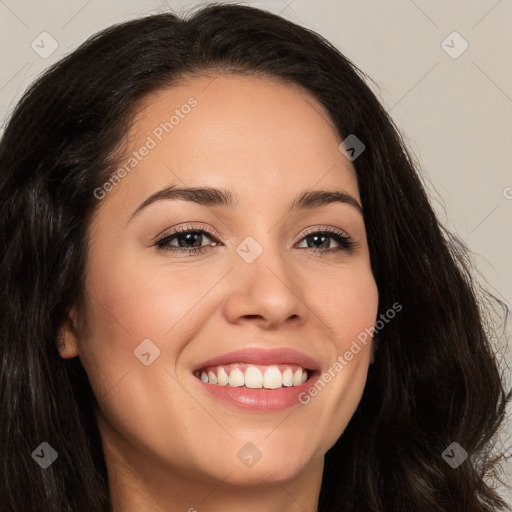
{"x": 224, "y": 287}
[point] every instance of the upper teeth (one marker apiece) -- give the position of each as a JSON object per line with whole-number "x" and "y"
{"x": 269, "y": 377}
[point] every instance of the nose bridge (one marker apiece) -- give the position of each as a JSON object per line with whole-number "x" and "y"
{"x": 263, "y": 255}
{"x": 263, "y": 284}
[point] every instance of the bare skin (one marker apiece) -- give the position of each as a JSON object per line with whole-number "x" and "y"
{"x": 169, "y": 445}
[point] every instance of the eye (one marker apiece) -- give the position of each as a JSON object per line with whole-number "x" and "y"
{"x": 189, "y": 240}
{"x": 320, "y": 241}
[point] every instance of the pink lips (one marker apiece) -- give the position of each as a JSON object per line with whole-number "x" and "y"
{"x": 261, "y": 399}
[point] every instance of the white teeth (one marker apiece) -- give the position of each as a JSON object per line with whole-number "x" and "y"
{"x": 272, "y": 378}
{"x": 288, "y": 377}
{"x": 236, "y": 378}
{"x": 297, "y": 377}
{"x": 222, "y": 377}
{"x": 253, "y": 378}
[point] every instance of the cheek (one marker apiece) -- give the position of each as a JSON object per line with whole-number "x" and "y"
{"x": 144, "y": 301}
{"x": 349, "y": 306}
{"x": 127, "y": 306}
{"x": 130, "y": 301}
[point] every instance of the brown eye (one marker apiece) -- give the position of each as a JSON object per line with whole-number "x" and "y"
{"x": 320, "y": 241}
{"x": 190, "y": 240}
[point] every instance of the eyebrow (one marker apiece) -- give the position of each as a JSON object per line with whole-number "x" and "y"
{"x": 210, "y": 196}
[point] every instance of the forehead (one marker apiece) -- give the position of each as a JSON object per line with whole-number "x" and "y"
{"x": 234, "y": 131}
{"x": 241, "y": 99}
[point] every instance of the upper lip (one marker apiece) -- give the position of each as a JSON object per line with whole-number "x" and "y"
{"x": 262, "y": 356}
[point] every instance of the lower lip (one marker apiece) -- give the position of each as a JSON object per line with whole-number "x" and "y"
{"x": 259, "y": 399}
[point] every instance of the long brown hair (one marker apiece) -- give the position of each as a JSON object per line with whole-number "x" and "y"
{"x": 435, "y": 380}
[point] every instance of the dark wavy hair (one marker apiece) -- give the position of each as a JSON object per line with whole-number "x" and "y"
{"x": 436, "y": 378}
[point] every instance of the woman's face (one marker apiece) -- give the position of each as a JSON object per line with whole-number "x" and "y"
{"x": 267, "y": 277}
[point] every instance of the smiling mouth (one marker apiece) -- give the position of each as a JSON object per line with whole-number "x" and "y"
{"x": 253, "y": 376}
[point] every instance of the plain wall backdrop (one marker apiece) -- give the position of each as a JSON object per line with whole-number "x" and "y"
{"x": 441, "y": 68}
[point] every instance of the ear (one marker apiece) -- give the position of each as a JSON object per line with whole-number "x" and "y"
{"x": 67, "y": 342}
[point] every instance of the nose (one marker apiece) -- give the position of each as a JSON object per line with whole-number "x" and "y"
{"x": 266, "y": 292}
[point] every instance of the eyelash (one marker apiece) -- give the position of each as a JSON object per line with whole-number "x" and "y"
{"x": 346, "y": 243}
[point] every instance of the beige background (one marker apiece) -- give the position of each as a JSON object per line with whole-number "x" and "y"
{"x": 456, "y": 113}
